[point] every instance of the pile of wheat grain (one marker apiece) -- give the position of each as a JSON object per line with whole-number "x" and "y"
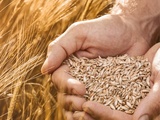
{"x": 119, "y": 82}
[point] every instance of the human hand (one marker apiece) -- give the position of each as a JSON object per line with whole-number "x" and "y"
{"x": 71, "y": 91}
{"x": 149, "y": 107}
{"x": 75, "y": 90}
{"x": 109, "y": 35}
{"x": 73, "y": 99}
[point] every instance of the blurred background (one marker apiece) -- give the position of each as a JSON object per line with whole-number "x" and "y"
{"x": 26, "y": 29}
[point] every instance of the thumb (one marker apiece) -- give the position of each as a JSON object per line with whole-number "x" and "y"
{"x": 66, "y": 44}
{"x": 149, "y": 108}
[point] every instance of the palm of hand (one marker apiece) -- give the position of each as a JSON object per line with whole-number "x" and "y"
{"x": 109, "y": 36}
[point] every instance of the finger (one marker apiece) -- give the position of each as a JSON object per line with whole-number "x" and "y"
{"x": 149, "y": 108}
{"x": 156, "y": 67}
{"x": 82, "y": 116}
{"x": 71, "y": 102}
{"x": 68, "y": 43}
{"x": 151, "y": 52}
{"x": 156, "y": 61}
{"x": 154, "y": 57}
{"x": 101, "y": 112}
{"x": 68, "y": 115}
{"x": 66, "y": 83}
{"x": 74, "y": 103}
{"x": 150, "y": 55}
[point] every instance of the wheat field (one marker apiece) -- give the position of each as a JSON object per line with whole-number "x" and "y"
{"x": 26, "y": 29}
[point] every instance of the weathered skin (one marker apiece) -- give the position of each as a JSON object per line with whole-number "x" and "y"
{"x": 131, "y": 28}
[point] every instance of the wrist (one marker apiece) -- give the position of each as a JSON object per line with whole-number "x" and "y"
{"x": 148, "y": 28}
{"x": 143, "y": 16}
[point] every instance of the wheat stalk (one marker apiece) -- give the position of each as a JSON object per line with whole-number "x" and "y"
{"x": 26, "y": 28}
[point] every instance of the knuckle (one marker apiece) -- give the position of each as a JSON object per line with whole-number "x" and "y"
{"x": 76, "y": 24}
{"x": 77, "y": 27}
{"x": 55, "y": 75}
{"x": 50, "y": 46}
{"x": 55, "y": 79}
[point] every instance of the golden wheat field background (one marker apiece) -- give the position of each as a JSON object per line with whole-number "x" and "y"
{"x": 26, "y": 28}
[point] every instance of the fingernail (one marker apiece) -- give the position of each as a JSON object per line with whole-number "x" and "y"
{"x": 44, "y": 66}
{"x": 87, "y": 110}
{"x": 77, "y": 116}
{"x": 144, "y": 117}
